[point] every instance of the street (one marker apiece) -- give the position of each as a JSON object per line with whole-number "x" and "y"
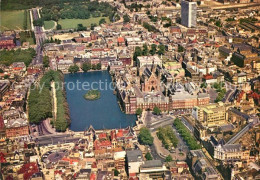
{"x": 40, "y": 38}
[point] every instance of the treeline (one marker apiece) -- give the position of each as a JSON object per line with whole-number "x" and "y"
{"x": 40, "y": 101}
{"x": 62, "y": 121}
{"x": 78, "y": 10}
{"x": 167, "y": 136}
{"x": 27, "y": 4}
{"x": 87, "y": 66}
{"x": 152, "y": 50}
{"x": 186, "y": 135}
{"x": 64, "y": 9}
{"x": 38, "y": 22}
{"x": 10, "y": 56}
{"x": 150, "y": 28}
{"x": 25, "y": 20}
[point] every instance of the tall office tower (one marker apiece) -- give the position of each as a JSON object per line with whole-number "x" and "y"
{"x": 188, "y": 13}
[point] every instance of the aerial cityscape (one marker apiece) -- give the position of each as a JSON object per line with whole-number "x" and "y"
{"x": 130, "y": 90}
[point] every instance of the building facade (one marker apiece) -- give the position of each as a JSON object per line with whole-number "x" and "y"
{"x": 189, "y": 13}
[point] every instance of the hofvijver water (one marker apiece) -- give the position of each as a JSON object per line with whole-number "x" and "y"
{"x": 103, "y": 113}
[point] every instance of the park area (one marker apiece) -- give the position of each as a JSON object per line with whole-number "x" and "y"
{"x": 14, "y": 20}
{"x": 73, "y": 23}
{"x": 168, "y": 138}
{"x": 49, "y": 25}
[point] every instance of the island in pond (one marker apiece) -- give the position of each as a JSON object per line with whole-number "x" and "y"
{"x": 92, "y": 95}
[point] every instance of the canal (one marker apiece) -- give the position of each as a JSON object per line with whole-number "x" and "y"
{"x": 103, "y": 113}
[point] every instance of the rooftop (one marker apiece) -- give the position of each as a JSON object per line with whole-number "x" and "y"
{"x": 134, "y": 156}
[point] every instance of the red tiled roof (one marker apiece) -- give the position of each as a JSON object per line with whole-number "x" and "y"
{"x": 98, "y": 144}
{"x": 2, "y": 158}
{"x": 28, "y": 170}
{"x": 70, "y": 160}
{"x": 208, "y": 76}
{"x": 132, "y": 174}
{"x": 120, "y": 40}
{"x": 119, "y": 134}
{"x": 92, "y": 176}
{"x": 2, "y": 125}
{"x": 94, "y": 165}
{"x": 58, "y": 172}
{"x": 102, "y": 136}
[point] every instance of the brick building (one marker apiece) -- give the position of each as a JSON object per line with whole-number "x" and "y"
{"x": 7, "y": 42}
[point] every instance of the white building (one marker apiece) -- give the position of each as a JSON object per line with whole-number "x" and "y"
{"x": 134, "y": 160}
{"x": 148, "y": 61}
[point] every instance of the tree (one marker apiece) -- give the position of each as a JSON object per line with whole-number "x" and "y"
{"x": 161, "y": 50}
{"x": 186, "y": 135}
{"x": 203, "y": 85}
{"x": 138, "y": 52}
{"x": 94, "y": 66}
{"x": 46, "y": 61}
{"x": 116, "y": 172}
{"x": 19, "y": 55}
{"x": 218, "y": 23}
{"x": 58, "y": 27}
{"x": 139, "y": 111}
{"x": 73, "y": 69}
{"x": 149, "y": 27}
{"x": 145, "y": 137}
{"x": 92, "y": 26}
{"x": 86, "y": 67}
{"x": 6, "y": 76}
{"x": 153, "y": 49}
{"x": 80, "y": 27}
{"x": 38, "y": 22}
{"x": 145, "y": 50}
{"x": 98, "y": 66}
{"x": 156, "y": 110}
{"x": 148, "y": 156}
{"x": 102, "y": 21}
{"x": 180, "y": 48}
{"x": 126, "y": 18}
{"x": 168, "y": 158}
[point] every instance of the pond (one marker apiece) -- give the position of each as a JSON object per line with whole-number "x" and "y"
{"x": 103, "y": 113}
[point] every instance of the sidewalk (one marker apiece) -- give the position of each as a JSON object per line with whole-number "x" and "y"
{"x": 159, "y": 147}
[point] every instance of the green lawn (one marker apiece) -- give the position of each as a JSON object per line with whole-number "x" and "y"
{"x": 72, "y": 23}
{"x": 12, "y": 20}
{"x": 49, "y": 25}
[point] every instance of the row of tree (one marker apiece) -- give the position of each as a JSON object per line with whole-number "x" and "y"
{"x": 150, "y": 28}
{"x": 40, "y": 101}
{"x": 85, "y": 67}
{"x": 152, "y": 50}
{"x": 38, "y": 22}
{"x": 62, "y": 120}
{"x": 167, "y": 136}
{"x": 78, "y": 10}
{"x": 25, "y": 20}
{"x": 186, "y": 135}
